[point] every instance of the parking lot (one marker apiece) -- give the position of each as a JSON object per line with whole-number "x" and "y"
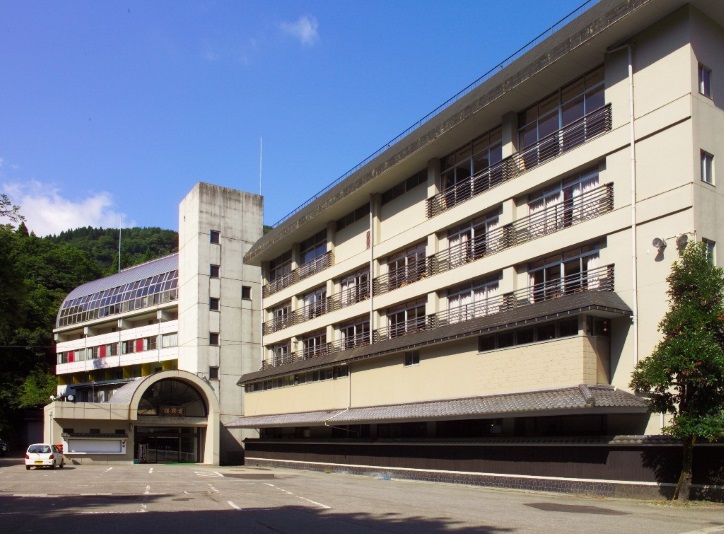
{"x": 195, "y": 498}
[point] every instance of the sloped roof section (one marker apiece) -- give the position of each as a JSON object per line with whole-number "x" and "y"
{"x": 137, "y": 272}
{"x": 570, "y": 401}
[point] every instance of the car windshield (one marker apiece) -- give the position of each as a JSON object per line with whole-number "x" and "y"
{"x": 39, "y": 449}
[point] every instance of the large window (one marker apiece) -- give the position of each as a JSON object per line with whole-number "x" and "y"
{"x": 560, "y": 110}
{"x": 404, "y": 186}
{"x": 473, "y": 299}
{"x": 280, "y": 267}
{"x": 315, "y": 303}
{"x": 563, "y": 204}
{"x": 313, "y": 248}
{"x": 468, "y": 161}
{"x": 406, "y": 266}
{"x": 314, "y": 345}
{"x": 355, "y": 287}
{"x": 469, "y": 241}
{"x": 406, "y": 318}
{"x": 281, "y": 353}
{"x": 355, "y": 333}
{"x": 563, "y": 273}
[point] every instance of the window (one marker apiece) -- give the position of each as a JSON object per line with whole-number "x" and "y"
{"x": 473, "y": 299}
{"x": 704, "y": 81}
{"x": 169, "y": 340}
{"x": 360, "y": 213}
{"x": 280, "y": 267}
{"x": 214, "y": 271}
{"x": 407, "y": 185}
{"x": 149, "y": 343}
{"x": 355, "y": 288}
{"x": 213, "y": 373}
{"x": 462, "y": 172}
{"x": 566, "y": 273}
{"x": 213, "y": 304}
{"x": 245, "y": 292}
{"x": 313, "y": 248}
{"x": 710, "y": 250}
{"x": 111, "y": 349}
{"x": 564, "y": 204}
{"x": 471, "y": 240}
{"x": 214, "y": 236}
{"x": 213, "y": 338}
{"x": 563, "y": 109}
{"x": 406, "y": 267}
{"x": 128, "y": 347}
{"x": 412, "y": 357}
{"x": 707, "y": 167}
{"x": 280, "y": 353}
{"x": 315, "y": 303}
{"x": 356, "y": 333}
{"x": 407, "y": 318}
{"x": 314, "y": 345}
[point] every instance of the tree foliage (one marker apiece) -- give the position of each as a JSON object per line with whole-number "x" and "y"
{"x": 36, "y": 274}
{"x": 684, "y": 376}
{"x": 137, "y": 245}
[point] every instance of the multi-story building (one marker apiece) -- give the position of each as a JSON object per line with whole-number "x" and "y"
{"x": 150, "y": 356}
{"x": 492, "y": 276}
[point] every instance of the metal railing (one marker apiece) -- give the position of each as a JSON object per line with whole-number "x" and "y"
{"x": 596, "y": 279}
{"x": 578, "y": 132}
{"x": 300, "y": 273}
{"x": 570, "y": 212}
{"x": 334, "y": 302}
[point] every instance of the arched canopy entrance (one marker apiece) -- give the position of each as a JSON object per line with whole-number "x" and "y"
{"x": 172, "y": 397}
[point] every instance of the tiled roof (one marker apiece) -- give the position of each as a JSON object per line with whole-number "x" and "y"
{"x": 605, "y": 302}
{"x": 570, "y": 400}
{"x": 138, "y": 272}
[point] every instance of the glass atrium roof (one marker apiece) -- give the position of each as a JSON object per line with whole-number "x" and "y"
{"x": 138, "y": 287}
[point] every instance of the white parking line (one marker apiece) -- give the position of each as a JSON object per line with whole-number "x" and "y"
{"x": 143, "y": 508}
{"x": 148, "y": 490}
{"x": 150, "y": 471}
{"x": 107, "y": 469}
{"x": 213, "y": 488}
{"x": 299, "y": 497}
{"x": 234, "y": 506}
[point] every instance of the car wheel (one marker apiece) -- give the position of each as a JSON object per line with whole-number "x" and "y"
{"x": 53, "y": 466}
{"x": 27, "y": 468}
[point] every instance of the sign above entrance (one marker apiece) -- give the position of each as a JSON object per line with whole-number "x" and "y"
{"x": 175, "y": 411}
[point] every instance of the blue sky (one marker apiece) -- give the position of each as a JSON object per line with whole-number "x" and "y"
{"x": 114, "y": 108}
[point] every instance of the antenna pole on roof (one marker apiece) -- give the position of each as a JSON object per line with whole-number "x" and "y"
{"x": 261, "y": 139}
{"x": 120, "y": 238}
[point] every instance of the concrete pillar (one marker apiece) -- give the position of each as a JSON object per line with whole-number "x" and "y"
{"x": 510, "y": 134}
{"x": 433, "y": 177}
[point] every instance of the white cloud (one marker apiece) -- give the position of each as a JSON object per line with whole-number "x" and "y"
{"x": 304, "y": 29}
{"x": 47, "y": 211}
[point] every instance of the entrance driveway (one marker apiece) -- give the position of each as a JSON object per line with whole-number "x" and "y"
{"x": 194, "y": 498}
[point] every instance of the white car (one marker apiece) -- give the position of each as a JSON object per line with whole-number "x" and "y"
{"x": 44, "y": 455}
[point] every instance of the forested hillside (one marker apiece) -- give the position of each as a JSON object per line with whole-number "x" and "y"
{"x": 36, "y": 274}
{"x": 138, "y": 245}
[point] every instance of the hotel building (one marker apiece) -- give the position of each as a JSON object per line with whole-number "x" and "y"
{"x": 474, "y": 296}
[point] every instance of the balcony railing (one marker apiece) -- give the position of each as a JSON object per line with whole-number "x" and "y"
{"x": 597, "y": 279}
{"x": 570, "y": 212}
{"x": 578, "y": 132}
{"x": 300, "y": 273}
{"x": 335, "y": 302}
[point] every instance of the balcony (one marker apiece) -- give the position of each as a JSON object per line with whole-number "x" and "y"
{"x": 300, "y": 273}
{"x": 335, "y": 302}
{"x": 578, "y": 132}
{"x": 597, "y": 279}
{"x": 570, "y": 212}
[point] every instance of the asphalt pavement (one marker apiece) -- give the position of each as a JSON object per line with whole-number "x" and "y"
{"x": 197, "y": 498}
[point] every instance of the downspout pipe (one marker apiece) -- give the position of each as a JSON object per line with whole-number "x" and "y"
{"x": 632, "y": 151}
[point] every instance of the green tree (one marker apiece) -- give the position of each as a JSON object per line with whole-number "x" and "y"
{"x": 10, "y": 210}
{"x": 684, "y": 376}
